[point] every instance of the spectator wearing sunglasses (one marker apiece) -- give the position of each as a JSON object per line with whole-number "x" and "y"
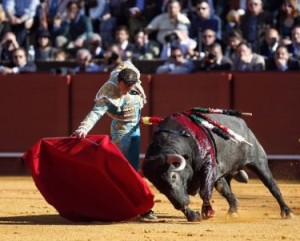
{"x": 204, "y": 19}
{"x": 176, "y": 64}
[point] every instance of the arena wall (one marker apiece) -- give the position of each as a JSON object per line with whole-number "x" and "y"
{"x": 34, "y": 106}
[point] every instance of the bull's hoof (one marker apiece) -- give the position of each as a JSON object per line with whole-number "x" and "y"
{"x": 287, "y": 214}
{"x": 232, "y": 215}
{"x": 194, "y": 217}
{"x": 191, "y": 215}
{"x": 208, "y": 214}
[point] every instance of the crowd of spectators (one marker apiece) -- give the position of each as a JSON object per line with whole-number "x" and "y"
{"x": 192, "y": 35}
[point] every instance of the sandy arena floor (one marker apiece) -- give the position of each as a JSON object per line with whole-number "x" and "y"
{"x": 25, "y": 216}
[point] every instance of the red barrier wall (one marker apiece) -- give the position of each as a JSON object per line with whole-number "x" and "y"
{"x": 274, "y": 100}
{"x": 32, "y": 107}
{"x": 173, "y": 93}
{"x": 84, "y": 89}
{"x": 42, "y": 105}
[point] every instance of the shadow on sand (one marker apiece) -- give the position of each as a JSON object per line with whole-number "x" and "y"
{"x": 51, "y": 219}
{"x": 55, "y": 219}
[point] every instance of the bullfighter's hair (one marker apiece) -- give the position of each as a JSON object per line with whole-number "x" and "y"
{"x": 128, "y": 76}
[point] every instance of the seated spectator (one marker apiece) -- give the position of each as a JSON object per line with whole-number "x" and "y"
{"x": 238, "y": 5}
{"x": 166, "y": 23}
{"x": 144, "y": 48}
{"x": 84, "y": 59}
{"x": 281, "y": 61}
{"x": 208, "y": 38}
{"x": 44, "y": 50}
{"x": 248, "y": 60}
{"x": 4, "y": 24}
{"x": 177, "y": 64}
{"x": 204, "y": 19}
{"x": 255, "y": 23}
{"x": 48, "y": 10}
{"x": 94, "y": 9}
{"x": 179, "y": 38}
{"x": 134, "y": 14}
{"x": 123, "y": 42}
{"x": 112, "y": 58}
{"x": 75, "y": 29}
{"x": 233, "y": 40}
{"x": 49, "y": 16}
{"x": 270, "y": 43}
{"x": 42, "y": 17}
{"x": 60, "y": 55}
{"x": 214, "y": 60}
{"x": 107, "y": 22}
{"x": 95, "y": 46}
{"x": 20, "y": 63}
{"x": 294, "y": 47}
{"x": 21, "y": 15}
{"x": 232, "y": 23}
{"x": 7, "y": 46}
{"x": 288, "y": 17}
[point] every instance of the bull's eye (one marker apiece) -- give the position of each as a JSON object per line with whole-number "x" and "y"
{"x": 173, "y": 177}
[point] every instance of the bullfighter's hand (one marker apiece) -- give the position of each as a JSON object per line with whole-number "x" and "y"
{"x": 80, "y": 133}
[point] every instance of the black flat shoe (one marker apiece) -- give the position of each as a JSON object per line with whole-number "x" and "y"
{"x": 148, "y": 215}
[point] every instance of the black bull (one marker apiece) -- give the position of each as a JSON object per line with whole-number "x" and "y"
{"x": 177, "y": 167}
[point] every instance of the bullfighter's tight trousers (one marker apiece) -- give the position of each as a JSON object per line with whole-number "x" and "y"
{"x": 127, "y": 137}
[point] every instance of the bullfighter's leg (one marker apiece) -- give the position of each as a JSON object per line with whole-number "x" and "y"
{"x": 223, "y": 187}
{"x": 134, "y": 152}
{"x": 263, "y": 171}
{"x": 208, "y": 175}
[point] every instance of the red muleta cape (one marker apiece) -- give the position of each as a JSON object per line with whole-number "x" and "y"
{"x": 88, "y": 179}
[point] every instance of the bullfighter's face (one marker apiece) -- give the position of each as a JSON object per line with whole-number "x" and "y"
{"x": 123, "y": 88}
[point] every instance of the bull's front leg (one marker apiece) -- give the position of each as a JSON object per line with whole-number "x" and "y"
{"x": 191, "y": 215}
{"x": 207, "y": 180}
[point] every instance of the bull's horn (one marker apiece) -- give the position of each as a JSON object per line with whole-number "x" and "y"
{"x": 175, "y": 158}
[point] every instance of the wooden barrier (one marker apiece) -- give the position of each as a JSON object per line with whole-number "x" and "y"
{"x": 84, "y": 89}
{"x": 274, "y": 100}
{"x": 43, "y": 105}
{"x": 172, "y": 93}
{"x": 32, "y": 106}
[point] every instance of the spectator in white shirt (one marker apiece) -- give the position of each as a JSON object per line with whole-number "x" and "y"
{"x": 166, "y": 23}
